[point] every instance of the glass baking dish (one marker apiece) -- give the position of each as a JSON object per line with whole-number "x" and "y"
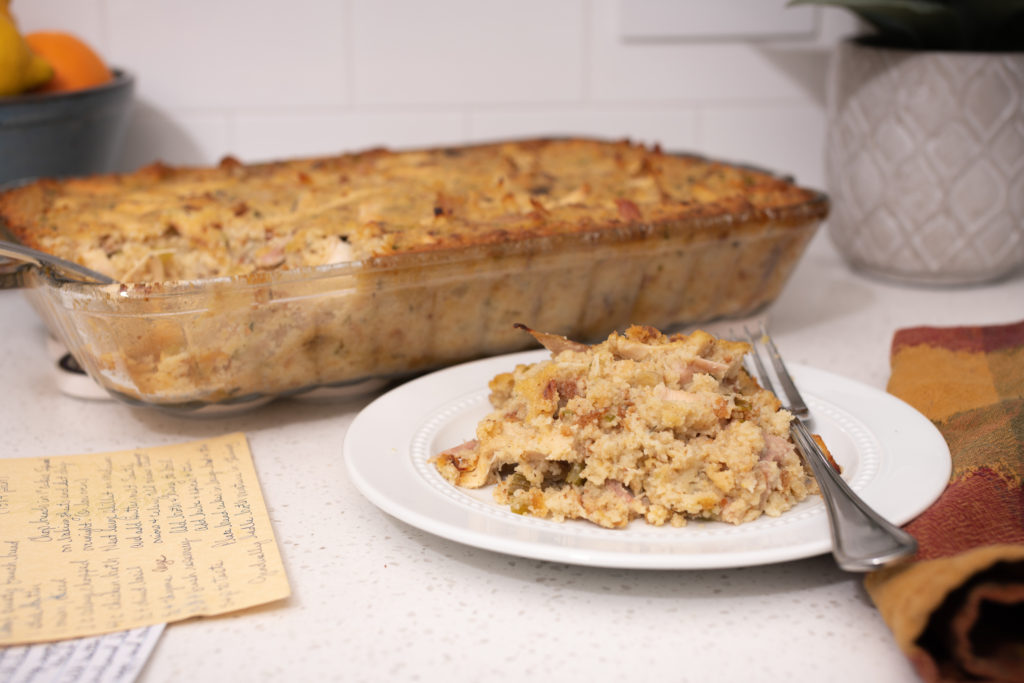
{"x": 242, "y": 340}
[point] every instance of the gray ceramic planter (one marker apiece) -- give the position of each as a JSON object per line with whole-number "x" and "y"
{"x": 925, "y": 163}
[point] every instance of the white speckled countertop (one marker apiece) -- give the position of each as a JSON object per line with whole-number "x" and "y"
{"x": 375, "y": 599}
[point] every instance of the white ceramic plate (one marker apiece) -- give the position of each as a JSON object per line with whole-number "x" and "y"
{"x": 891, "y": 455}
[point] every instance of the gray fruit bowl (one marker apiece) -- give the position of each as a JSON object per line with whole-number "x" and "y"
{"x": 64, "y": 134}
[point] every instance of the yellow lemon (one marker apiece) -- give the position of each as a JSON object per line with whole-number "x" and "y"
{"x": 20, "y": 68}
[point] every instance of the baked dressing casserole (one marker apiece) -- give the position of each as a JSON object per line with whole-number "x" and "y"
{"x": 163, "y": 223}
{"x": 248, "y": 280}
{"x": 641, "y": 425}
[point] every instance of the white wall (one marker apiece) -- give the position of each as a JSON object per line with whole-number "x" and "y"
{"x": 263, "y": 79}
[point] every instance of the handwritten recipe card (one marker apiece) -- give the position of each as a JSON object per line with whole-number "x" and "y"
{"x": 97, "y": 543}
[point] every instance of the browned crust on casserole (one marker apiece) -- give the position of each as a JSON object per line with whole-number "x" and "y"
{"x": 165, "y": 224}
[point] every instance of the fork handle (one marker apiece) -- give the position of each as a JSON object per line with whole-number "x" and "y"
{"x": 862, "y": 540}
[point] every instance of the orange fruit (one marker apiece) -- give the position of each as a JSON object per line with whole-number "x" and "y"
{"x": 75, "y": 65}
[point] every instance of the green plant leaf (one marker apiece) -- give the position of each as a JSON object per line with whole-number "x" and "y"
{"x": 937, "y": 24}
{"x": 993, "y": 24}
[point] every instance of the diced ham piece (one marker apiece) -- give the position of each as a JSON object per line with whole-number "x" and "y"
{"x": 619, "y": 490}
{"x": 628, "y": 211}
{"x": 775, "y": 448}
{"x": 457, "y": 455}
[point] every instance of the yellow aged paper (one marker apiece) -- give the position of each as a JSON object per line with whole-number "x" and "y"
{"x": 96, "y": 543}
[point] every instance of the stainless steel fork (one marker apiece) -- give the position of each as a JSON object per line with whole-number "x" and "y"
{"x": 862, "y": 540}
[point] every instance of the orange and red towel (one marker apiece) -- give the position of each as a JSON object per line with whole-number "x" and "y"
{"x": 957, "y": 609}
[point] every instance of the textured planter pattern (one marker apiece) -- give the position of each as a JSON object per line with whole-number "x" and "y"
{"x": 925, "y": 163}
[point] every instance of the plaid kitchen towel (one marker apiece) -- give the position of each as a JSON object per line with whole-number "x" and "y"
{"x": 957, "y": 609}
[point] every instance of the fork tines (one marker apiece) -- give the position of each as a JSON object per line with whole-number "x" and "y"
{"x": 794, "y": 402}
{"x": 862, "y": 540}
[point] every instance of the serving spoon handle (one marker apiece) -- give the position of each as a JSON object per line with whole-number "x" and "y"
{"x": 62, "y": 268}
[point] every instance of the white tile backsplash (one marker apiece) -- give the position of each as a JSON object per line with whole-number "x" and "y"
{"x": 83, "y": 18}
{"x": 673, "y": 128}
{"x": 466, "y": 51}
{"x": 232, "y": 53}
{"x": 282, "y": 135}
{"x": 785, "y": 138}
{"x": 667, "y": 19}
{"x": 174, "y": 137}
{"x": 261, "y": 79}
{"x": 680, "y": 71}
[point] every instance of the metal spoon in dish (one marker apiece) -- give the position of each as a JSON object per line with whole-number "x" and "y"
{"x": 66, "y": 269}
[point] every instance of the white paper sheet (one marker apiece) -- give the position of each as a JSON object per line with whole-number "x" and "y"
{"x": 111, "y": 658}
